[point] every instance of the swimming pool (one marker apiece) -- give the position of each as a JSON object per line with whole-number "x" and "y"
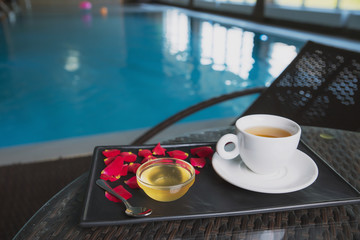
{"x": 66, "y": 72}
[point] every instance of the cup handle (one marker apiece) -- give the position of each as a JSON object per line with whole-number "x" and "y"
{"x": 223, "y": 141}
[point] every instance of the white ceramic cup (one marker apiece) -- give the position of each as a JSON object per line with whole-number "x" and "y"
{"x": 262, "y": 155}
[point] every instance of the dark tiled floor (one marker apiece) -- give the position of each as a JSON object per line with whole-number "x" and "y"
{"x": 26, "y": 187}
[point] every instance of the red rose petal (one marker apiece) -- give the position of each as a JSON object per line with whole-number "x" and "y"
{"x": 128, "y": 156}
{"x": 109, "y": 160}
{"x": 121, "y": 191}
{"x": 202, "y": 151}
{"x": 144, "y": 152}
{"x": 124, "y": 170}
{"x": 197, "y": 172}
{"x": 132, "y": 183}
{"x": 133, "y": 167}
{"x": 178, "y": 154}
{"x": 114, "y": 167}
{"x": 109, "y": 178}
{"x": 150, "y": 157}
{"x": 111, "y": 152}
{"x": 198, "y": 162}
{"x": 159, "y": 150}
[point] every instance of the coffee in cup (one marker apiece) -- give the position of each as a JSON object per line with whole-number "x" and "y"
{"x": 264, "y": 142}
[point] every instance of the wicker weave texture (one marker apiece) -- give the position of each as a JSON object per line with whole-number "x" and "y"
{"x": 321, "y": 87}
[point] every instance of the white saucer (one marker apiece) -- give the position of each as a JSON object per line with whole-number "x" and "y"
{"x": 299, "y": 174}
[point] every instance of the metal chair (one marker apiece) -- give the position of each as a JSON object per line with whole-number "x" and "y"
{"x": 320, "y": 87}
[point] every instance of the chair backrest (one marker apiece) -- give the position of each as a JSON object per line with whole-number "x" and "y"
{"x": 321, "y": 87}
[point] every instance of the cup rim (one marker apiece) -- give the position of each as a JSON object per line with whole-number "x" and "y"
{"x": 242, "y": 129}
{"x": 152, "y": 161}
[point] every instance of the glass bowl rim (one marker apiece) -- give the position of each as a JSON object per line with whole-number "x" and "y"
{"x": 192, "y": 172}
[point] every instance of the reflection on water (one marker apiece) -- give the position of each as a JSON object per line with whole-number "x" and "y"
{"x": 72, "y": 61}
{"x": 245, "y": 57}
{"x": 67, "y": 73}
{"x": 176, "y": 31}
{"x": 228, "y": 49}
{"x": 280, "y": 56}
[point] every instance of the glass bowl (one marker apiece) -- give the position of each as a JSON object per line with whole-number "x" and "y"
{"x": 165, "y": 179}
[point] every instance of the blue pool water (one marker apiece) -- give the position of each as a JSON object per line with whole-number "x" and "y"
{"x": 66, "y": 72}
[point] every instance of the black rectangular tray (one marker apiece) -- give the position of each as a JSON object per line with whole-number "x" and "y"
{"x": 210, "y": 196}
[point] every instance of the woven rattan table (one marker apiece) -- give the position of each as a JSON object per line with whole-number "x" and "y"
{"x": 59, "y": 218}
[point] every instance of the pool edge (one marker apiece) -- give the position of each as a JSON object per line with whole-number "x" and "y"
{"x": 84, "y": 146}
